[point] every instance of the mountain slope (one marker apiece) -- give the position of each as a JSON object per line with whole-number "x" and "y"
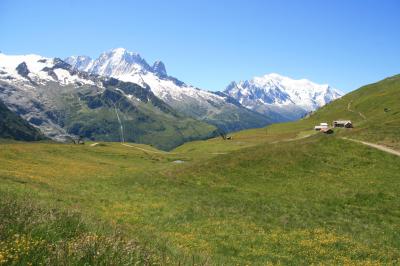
{"x": 213, "y": 108}
{"x": 374, "y": 108}
{"x": 280, "y": 97}
{"x": 61, "y": 101}
{"x": 13, "y": 126}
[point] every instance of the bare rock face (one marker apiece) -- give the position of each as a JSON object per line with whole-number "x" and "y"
{"x": 15, "y": 127}
{"x": 159, "y": 68}
{"x": 23, "y": 70}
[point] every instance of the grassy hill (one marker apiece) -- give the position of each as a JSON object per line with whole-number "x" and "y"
{"x": 14, "y": 127}
{"x": 278, "y": 195}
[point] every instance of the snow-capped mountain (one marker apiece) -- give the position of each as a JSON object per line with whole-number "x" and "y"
{"x": 63, "y": 102}
{"x": 128, "y": 66}
{"x": 38, "y": 69}
{"x": 213, "y": 108}
{"x": 282, "y": 97}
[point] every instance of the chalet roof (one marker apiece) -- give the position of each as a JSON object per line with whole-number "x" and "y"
{"x": 342, "y": 121}
{"x": 320, "y": 127}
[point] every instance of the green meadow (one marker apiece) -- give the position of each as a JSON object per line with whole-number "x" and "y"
{"x": 281, "y": 195}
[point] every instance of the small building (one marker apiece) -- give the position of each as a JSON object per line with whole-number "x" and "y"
{"x": 321, "y": 126}
{"x": 342, "y": 123}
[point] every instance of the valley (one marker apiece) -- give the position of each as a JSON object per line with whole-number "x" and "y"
{"x": 283, "y": 194}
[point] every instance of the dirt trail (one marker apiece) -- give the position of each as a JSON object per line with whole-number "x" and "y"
{"x": 165, "y": 152}
{"x": 292, "y": 139}
{"x": 376, "y": 146}
{"x": 146, "y": 150}
{"x": 351, "y": 110}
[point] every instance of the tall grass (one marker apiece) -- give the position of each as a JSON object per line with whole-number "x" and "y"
{"x": 33, "y": 235}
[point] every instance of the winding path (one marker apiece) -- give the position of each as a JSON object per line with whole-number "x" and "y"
{"x": 376, "y": 146}
{"x": 351, "y": 110}
{"x": 146, "y": 150}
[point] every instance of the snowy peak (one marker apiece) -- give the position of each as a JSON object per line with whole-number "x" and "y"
{"x": 232, "y": 86}
{"x": 82, "y": 63}
{"x": 35, "y": 63}
{"x": 274, "y": 90}
{"x": 34, "y": 69}
{"x": 120, "y": 55}
{"x": 131, "y": 67}
{"x": 119, "y": 62}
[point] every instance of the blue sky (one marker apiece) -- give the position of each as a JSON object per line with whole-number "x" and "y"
{"x": 205, "y": 43}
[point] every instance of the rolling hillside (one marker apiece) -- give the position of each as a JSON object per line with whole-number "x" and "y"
{"x": 374, "y": 108}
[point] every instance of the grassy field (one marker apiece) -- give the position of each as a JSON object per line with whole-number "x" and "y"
{"x": 312, "y": 200}
{"x": 279, "y": 195}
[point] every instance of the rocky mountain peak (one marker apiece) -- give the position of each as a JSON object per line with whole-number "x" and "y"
{"x": 159, "y": 68}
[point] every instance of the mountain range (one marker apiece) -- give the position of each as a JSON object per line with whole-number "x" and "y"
{"x": 214, "y": 108}
{"x": 63, "y": 102}
{"x": 120, "y": 97}
{"x": 280, "y": 97}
